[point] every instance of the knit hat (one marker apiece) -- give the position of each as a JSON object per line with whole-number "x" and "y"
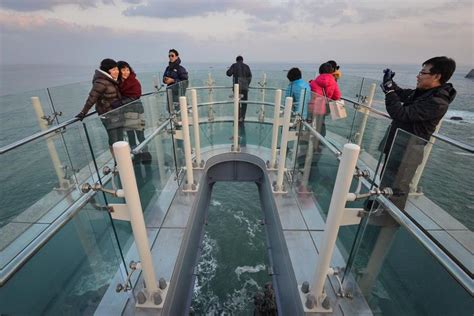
{"x": 107, "y": 64}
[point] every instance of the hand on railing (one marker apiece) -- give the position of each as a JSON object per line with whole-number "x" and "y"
{"x": 80, "y": 116}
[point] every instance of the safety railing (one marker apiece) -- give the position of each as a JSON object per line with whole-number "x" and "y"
{"x": 310, "y": 156}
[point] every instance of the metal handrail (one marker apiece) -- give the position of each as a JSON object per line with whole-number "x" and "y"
{"x": 441, "y": 137}
{"x": 37, "y": 135}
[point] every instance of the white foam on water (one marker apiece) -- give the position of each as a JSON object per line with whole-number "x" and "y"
{"x": 215, "y": 203}
{"x": 252, "y": 226}
{"x": 248, "y": 269}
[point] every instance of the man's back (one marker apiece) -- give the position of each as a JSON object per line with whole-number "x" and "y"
{"x": 242, "y": 74}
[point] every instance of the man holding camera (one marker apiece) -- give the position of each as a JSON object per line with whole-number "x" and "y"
{"x": 418, "y": 112}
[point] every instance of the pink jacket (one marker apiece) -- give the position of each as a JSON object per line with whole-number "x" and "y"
{"x": 328, "y": 83}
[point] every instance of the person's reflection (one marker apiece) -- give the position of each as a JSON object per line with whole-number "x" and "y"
{"x": 242, "y": 135}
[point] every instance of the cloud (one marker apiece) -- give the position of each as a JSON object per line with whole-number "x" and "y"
{"x": 262, "y": 9}
{"x": 36, "y": 5}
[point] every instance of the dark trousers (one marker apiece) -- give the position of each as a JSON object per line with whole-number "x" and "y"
{"x": 140, "y": 135}
{"x": 399, "y": 169}
{"x": 243, "y": 105}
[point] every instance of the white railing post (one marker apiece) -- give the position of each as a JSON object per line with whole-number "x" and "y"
{"x": 132, "y": 198}
{"x": 284, "y": 143}
{"x": 262, "y": 84}
{"x": 276, "y": 128}
{"x": 365, "y": 112}
{"x": 337, "y": 206}
{"x": 197, "y": 140}
{"x": 63, "y": 182}
{"x": 210, "y": 109}
{"x": 190, "y": 185}
{"x": 426, "y": 154}
{"x": 235, "y": 145}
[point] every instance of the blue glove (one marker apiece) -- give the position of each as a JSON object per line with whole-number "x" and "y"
{"x": 387, "y": 84}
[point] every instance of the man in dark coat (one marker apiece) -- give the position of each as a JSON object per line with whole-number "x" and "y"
{"x": 415, "y": 114}
{"x": 175, "y": 78}
{"x": 242, "y": 76}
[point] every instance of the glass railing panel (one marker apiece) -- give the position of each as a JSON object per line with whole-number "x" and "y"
{"x": 19, "y": 118}
{"x": 69, "y": 99}
{"x": 71, "y": 272}
{"x": 369, "y": 126}
{"x": 432, "y": 184}
{"x": 398, "y": 276}
{"x": 316, "y": 168}
{"x": 216, "y": 133}
{"x": 351, "y": 86}
{"x": 40, "y": 181}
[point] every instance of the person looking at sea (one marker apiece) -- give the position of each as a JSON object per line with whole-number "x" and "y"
{"x": 243, "y": 76}
{"x": 417, "y": 112}
{"x": 297, "y": 89}
{"x": 336, "y": 71}
{"x": 105, "y": 95}
{"x": 324, "y": 88}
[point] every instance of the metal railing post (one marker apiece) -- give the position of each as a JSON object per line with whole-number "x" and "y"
{"x": 210, "y": 111}
{"x": 426, "y": 154}
{"x": 190, "y": 185}
{"x": 235, "y": 145}
{"x": 262, "y": 84}
{"x": 344, "y": 176}
{"x": 366, "y": 112}
{"x": 53, "y": 153}
{"x": 276, "y": 128}
{"x": 197, "y": 140}
{"x": 130, "y": 192}
{"x": 284, "y": 143}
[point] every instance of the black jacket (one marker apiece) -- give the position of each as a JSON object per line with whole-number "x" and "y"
{"x": 417, "y": 111}
{"x": 242, "y": 75}
{"x": 176, "y": 71}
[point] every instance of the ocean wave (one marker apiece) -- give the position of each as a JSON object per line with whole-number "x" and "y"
{"x": 252, "y": 226}
{"x": 248, "y": 269}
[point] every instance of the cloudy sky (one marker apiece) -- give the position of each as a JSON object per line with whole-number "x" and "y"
{"x": 368, "y": 31}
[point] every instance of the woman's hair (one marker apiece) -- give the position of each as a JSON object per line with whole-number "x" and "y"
{"x": 333, "y": 64}
{"x": 123, "y": 64}
{"x": 294, "y": 74}
{"x": 326, "y": 68}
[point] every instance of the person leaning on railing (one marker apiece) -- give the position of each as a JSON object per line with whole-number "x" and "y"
{"x": 105, "y": 95}
{"x": 418, "y": 112}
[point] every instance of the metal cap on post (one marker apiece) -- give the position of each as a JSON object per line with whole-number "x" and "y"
{"x": 190, "y": 186}
{"x": 130, "y": 190}
{"x": 337, "y": 205}
{"x": 276, "y": 128}
{"x": 278, "y": 188}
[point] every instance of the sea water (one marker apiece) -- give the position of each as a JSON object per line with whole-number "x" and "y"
{"x": 232, "y": 204}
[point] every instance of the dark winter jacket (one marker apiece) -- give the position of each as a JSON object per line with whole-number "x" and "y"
{"x": 417, "y": 111}
{"x": 104, "y": 91}
{"x": 176, "y": 71}
{"x": 242, "y": 75}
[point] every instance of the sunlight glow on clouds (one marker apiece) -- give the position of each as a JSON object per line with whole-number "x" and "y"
{"x": 352, "y": 31}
